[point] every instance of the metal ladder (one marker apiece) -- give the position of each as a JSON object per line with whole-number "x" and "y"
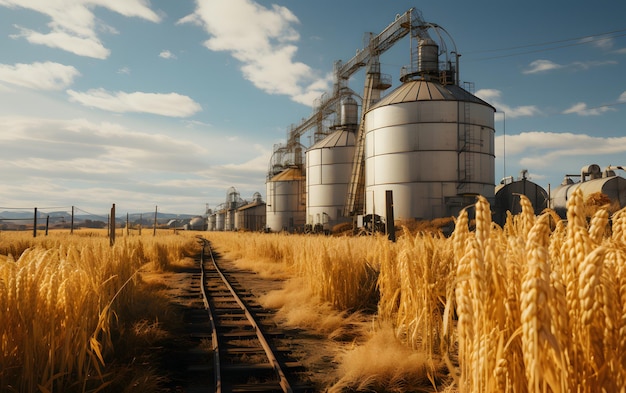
{"x": 467, "y": 143}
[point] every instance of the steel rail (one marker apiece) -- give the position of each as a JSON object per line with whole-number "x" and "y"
{"x": 284, "y": 383}
{"x": 207, "y": 306}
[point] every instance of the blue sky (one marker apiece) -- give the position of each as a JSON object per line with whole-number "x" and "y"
{"x": 171, "y": 102}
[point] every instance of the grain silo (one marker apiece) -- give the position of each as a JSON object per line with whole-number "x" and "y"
{"x": 329, "y": 165}
{"x": 592, "y": 180}
{"x": 432, "y": 145}
{"x": 507, "y": 198}
{"x": 220, "y": 220}
{"x": 212, "y": 221}
{"x": 286, "y": 200}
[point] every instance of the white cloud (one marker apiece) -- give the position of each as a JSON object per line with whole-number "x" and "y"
{"x": 124, "y": 70}
{"x": 556, "y": 154}
{"x": 263, "y": 40}
{"x": 170, "y": 104}
{"x": 39, "y": 76}
{"x": 71, "y": 147}
{"x": 73, "y": 25}
{"x": 622, "y": 97}
{"x": 492, "y": 96}
{"x": 542, "y": 66}
{"x": 581, "y": 109}
{"x": 569, "y": 143}
{"x": 62, "y": 162}
{"x": 585, "y": 65}
{"x": 539, "y": 66}
{"x": 166, "y": 54}
{"x": 600, "y": 42}
{"x": 81, "y": 46}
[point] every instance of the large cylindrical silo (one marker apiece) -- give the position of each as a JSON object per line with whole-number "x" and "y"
{"x": 329, "y": 165}
{"x": 432, "y": 146}
{"x": 220, "y": 220}
{"x": 286, "y": 201}
{"x": 229, "y": 222}
{"x": 212, "y": 222}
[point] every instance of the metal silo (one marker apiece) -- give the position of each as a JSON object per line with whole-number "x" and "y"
{"x": 432, "y": 145}
{"x": 220, "y": 220}
{"x": 212, "y": 222}
{"x": 329, "y": 165}
{"x": 592, "y": 180}
{"x": 286, "y": 200}
{"x": 508, "y": 197}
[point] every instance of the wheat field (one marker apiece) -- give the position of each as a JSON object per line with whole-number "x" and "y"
{"x": 61, "y": 298}
{"x": 538, "y": 305}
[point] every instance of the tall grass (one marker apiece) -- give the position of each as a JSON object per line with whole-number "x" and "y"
{"x": 340, "y": 271}
{"x": 538, "y": 305}
{"x": 61, "y": 297}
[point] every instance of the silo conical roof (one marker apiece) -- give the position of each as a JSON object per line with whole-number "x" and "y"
{"x": 338, "y": 138}
{"x": 423, "y": 90}
{"x": 289, "y": 174}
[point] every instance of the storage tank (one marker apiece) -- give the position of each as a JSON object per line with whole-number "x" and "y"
{"x": 328, "y": 168}
{"x": 508, "y": 197}
{"x": 349, "y": 112}
{"x": 229, "y": 223}
{"x": 220, "y": 220}
{"x": 592, "y": 180}
{"x": 432, "y": 146}
{"x": 197, "y": 223}
{"x": 212, "y": 222}
{"x": 286, "y": 201}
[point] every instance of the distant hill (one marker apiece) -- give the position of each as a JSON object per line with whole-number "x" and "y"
{"x": 60, "y": 216}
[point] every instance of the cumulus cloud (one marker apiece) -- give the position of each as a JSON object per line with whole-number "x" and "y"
{"x": 493, "y": 96}
{"x": 77, "y": 148}
{"x": 170, "y": 104}
{"x": 81, "y": 46}
{"x": 263, "y": 40}
{"x": 559, "y": 153}
{"x": 91, "y": 164}
{"x": 73, "y": 25}
{"x": 38, "y": 76}
{"x": 165, "y": 54}
{"x": 581, "y": 109}
{"x": 622, "y": 97}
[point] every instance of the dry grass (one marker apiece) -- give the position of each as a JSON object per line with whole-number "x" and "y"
{"x": 338, "y": 285}
{"x": 383, "y": 364}
{"x": 65, "y": 298}
{"x": 538, "y": 305}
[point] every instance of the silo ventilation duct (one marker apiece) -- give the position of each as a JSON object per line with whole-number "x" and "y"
{"x": 590, "y": 172}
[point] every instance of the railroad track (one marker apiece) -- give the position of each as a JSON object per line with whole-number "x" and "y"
{"x": 245, "y": 358}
